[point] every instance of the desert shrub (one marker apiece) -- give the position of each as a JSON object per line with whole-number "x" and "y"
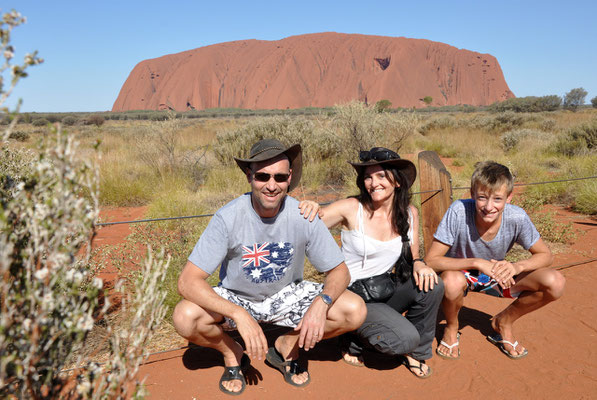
{"x": 317, "y": 144}
{"x": 578, "y": 140}
{"x": 594, "y": 102}
{"x": 50, "y": 298}
{"x": 574, "y": 98}
{"x": 94, "y": 119}
{"x": 428, "y": 100}
{"x": 40, "y": 122}
{"x": 511, "y": 139}
{"x": 359, "y": 127}
{"x": 440, "y": 122}
{"x": 548, "y": 124}
{"x": 528, "y": 104}
{"x": 383, "y": 105}
{"x": 159, "y": 147}
{"x": 501, "y": 121}
{"x": 69, "y": 120}
{"x": 20, "y": 136}
{"x": 586, "y": 198}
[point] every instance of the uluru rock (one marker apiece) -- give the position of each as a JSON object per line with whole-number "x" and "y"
{"x": 314, "y": 70}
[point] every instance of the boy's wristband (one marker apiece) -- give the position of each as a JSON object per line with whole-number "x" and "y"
{"x": 419, "y": 259}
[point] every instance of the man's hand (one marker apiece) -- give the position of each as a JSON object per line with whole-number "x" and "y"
{"x": 309, "y": 209}
{"x": 503, "y": 272}
{"x": 252, "y": 334}
{"x": 312, "y": 326}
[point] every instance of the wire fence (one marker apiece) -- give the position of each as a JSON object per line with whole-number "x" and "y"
{"x": 326, "y": 203}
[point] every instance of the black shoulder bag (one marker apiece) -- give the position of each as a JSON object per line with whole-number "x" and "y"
{"x": 379, "y": 288}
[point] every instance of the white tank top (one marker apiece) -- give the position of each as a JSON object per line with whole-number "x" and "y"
{"x": 365, "y": 256}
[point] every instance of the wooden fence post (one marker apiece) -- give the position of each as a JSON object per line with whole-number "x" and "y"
{"x": 434, "y": 178}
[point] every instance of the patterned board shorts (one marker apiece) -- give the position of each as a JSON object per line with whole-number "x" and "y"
{"x": 484, "y": 284}
{"x": 285, "y": 308}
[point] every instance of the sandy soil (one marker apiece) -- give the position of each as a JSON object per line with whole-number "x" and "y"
{"x": 561, "y": 339}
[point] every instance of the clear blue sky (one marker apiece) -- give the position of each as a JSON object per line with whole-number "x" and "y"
{"x": 544, "y": 47}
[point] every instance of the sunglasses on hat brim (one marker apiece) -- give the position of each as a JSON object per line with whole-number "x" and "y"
{"x": 378, "y": 155}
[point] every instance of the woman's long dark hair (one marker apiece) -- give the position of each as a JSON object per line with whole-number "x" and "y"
{"x": 399, "y": 217}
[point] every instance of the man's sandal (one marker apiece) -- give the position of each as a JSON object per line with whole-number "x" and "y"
{"x": 497, "y": 340}
{"x": 355, "y": 363}
{"x": 234, "y": 373}
{"x": 449, "y": 347}
{"x": 287, "y": 368}
{"x": 413, "y": 367}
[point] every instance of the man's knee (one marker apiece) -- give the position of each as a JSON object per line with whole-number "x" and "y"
{"x": 454, "y": 284}
{"x": 554, "y": 283}
{"x": 188, "y": 317}
{"x": 352, "y": 308}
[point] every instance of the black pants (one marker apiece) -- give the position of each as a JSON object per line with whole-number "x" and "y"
{"x": 386, "y": 330}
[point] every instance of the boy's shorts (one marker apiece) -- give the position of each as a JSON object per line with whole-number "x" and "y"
{"x": 285, "y": 308}
{"x": 484, "y": 284}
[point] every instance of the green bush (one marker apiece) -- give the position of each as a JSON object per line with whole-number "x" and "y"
{"x": 383, "y": 105}
{"x": 94, "y": 119}
{"x": 317, "y": 144}
{"x": 594, "y": 102}
{"x": 528, "y": 104}
{"x": 20, "y": 136}
{"x": 69, "y": 120}
{"x": 512, "y": 138}
{"x": 574, "y": 98}
{"x": 586, "y": 198}
{"x": 578, "y": 140}
{"x": 40, "y": 122}
{"x": 436, "y": 123}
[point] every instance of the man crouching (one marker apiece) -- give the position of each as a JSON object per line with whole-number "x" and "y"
{"x": 260, "y": 240}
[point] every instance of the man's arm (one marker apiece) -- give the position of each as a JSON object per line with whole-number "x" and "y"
{"x": 312, "y": 326}
{"x": 541, "y": 257}
{"x": 436, "y": 259}
{"x": 192, "y": 285}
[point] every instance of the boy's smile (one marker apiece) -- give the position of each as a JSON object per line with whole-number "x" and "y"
{"x": 490, "y": 204}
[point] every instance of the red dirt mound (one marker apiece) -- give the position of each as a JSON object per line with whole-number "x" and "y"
{"x": 314, "y": 70}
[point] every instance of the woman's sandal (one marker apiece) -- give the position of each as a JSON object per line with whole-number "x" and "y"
{"x": 234, "y": 373}
{"x": 276, "y": 360}
{"x": 358, "y": 363}
{"x": 413, "y": 367}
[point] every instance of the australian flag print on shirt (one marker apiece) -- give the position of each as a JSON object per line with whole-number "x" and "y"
{"x": 266, "y": 262}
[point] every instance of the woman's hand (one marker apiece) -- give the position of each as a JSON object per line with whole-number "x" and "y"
{"x": 425, "y": 277}
{"x": 309, "y": 209}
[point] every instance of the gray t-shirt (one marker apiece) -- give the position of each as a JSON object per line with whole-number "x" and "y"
{"x": 457, "y": 229}
{"x": 259, "y": 256}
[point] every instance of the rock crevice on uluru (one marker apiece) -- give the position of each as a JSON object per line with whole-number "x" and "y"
{"x": 314, "y": 70}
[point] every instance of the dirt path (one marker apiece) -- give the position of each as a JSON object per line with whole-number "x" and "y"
{"x": 561, "y": 339}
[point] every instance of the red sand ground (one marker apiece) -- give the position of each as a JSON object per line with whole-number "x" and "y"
{"x": 561, "y": 339}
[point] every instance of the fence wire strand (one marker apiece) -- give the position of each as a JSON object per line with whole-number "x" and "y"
{"x": 324, "y": 204}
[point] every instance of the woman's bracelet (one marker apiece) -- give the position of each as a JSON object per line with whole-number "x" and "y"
{"x": 419, "y": 259}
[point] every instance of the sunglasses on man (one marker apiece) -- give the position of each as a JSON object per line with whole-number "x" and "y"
{"x": 264, "y": 177}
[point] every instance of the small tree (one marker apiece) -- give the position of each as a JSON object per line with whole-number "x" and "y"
{"x": 383, "y": 105}
{"x": 428, "y": 100}
{"x": 594, "y": 102}
{"x": 575, "y": 98}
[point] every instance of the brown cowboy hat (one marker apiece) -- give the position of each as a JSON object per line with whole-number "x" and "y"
{"x": 267, "y": 149}
{"x": 381, "y": 155}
